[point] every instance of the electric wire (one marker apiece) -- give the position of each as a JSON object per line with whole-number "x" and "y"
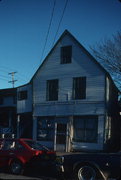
{"x": 48, "y": 28}
{"x": 60, "y": 22}
{"x": 3, "y": 79}
{"x": 7, "y": 70}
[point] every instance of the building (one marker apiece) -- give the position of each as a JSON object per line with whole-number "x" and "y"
{"x": 24, "y": 111}
{"x": 74, "y": 100}
{"x": 8, "y": 104}
{"x": 70, "y": 104}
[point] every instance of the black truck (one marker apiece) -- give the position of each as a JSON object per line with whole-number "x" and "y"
{"x": 89, "y": 166}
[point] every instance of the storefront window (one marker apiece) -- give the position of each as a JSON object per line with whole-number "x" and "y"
{"x": 45, "y": 128}
{"x": 85, "y": 129}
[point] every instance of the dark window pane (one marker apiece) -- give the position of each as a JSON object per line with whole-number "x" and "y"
{"x": 66, "y": 54}
{"x": 61, "y": 139}
{"x": 1, "y": 100}
{"x": 22, "y": 95}
{"x": 85, "y": 128}
{"x": 45, "y": 128}
{"x": 61, "y": 128}
{"x": 52, "y": 90}
{"x": 79, "y": 88}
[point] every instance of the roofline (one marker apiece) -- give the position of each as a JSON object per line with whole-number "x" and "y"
{"x": 24, "y": 84}
{"x": 82, "y": 47}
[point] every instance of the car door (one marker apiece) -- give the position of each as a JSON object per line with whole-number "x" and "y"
{"x": 21, "y": 152}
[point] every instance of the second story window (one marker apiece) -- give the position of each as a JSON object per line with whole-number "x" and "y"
{"x": 52, "y": 90}
{"x": 22, "y": 95}
{"x": 66, "y": 54}
{"x": 79, "y": 88}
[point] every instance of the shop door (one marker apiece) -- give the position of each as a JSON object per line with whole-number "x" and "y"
{"x": 60, "y": 138}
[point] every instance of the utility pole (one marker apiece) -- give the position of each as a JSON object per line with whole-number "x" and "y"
{"x": 12, "y": 75}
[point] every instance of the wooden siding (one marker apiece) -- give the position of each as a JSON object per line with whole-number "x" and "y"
{"x": 81, "y": 65}
{"x": 26, "y": 104}
{"x": 72, "y": 108}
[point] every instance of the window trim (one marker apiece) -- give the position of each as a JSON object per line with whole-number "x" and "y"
{"x": 22, "y": 95}
{"x": 87, "y": 129}
{"x": 46, "y": 128}
{"x": 66, "y": 54}
{"x": 82, "y": 90}
{"x": 50, "y": 96}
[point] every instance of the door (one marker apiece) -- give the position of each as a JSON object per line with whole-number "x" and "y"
{"x": 60, "y": 137}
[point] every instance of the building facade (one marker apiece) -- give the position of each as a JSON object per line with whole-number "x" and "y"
{"x": 73, "y": 97}
{"x": 24, "y": 111}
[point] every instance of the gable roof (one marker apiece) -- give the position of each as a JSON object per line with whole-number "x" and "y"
{"x": 66, "y": 32}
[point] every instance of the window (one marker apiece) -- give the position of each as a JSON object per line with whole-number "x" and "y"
{"x": 1, "y": 100}
{"x": 22, "y": 95}
{"x": 85, "y": 129}
{"x": 66, "y": 54}
{"x": 45, "y": 128}
{"x": 79, "y": 88}
{"x": 52, "y": 90}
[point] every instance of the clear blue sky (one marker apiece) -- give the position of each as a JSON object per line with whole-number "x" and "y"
{"x": 24, "y": 25}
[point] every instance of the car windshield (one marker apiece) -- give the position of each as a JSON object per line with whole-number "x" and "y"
{"x": 36, "y": 145}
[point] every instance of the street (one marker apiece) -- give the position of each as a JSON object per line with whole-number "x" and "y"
{"x": 10, "y": 176}
{"x": 31, "y": 174}
{"x": 34, "y": 177}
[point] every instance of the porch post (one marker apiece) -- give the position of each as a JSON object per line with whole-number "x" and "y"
{"x": 18, "y": 126}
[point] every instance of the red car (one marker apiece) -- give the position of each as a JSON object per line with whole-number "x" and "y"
{"x": 17, "y": 154}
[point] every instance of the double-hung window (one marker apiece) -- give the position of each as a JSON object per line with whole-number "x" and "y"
{"x": 66, "y": 54}
{"x": 52, "y": 90}
{"x": 79, "y": 88}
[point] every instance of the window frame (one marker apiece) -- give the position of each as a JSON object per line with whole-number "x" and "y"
{"x": 79, "y": 88}
{"x": 66, "y": 54}
{"x": 45, "y": 124}
{"x": 85, "y": 130}
{"x": 52, "y": 87}
{"x": 22, "y": 95}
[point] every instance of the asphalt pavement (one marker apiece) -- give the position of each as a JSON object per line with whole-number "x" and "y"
{"x": 17, "y": 177}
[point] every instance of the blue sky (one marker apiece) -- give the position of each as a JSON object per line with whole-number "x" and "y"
{"x": 24, "y": 25}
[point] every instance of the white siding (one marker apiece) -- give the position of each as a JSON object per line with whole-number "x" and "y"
{"x": 81, "y": 65}
{"x": 72, "y": 108}
{"x": 25, "y": 105}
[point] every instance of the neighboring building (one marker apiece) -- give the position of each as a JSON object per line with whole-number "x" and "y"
{"x": 74, "y": 100}
{"x": 8, "y": 111}
{"x": 24, "y": 111}
{"x": 16, "y": 111}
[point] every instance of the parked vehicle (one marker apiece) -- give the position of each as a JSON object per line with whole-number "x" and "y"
{"x": 18, "y": 154}
{"x": 90, "y": 166}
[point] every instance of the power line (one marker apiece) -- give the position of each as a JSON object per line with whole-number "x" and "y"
{"x": 48, "y": 28}
{"x": 60, "y": 21}
{"x": 21, "y": 76}
{"x": 4, "y": 76}
{"x": 3, "y": 79}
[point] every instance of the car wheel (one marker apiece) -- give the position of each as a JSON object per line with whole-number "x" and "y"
{"x": 16, "y": 167}
{"x": 86, "y": 172}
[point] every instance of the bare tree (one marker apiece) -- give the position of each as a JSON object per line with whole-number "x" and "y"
{"x": 108, "y": 53}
